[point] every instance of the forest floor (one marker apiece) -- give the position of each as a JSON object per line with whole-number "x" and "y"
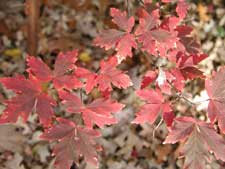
{"x": 67, "y": 24}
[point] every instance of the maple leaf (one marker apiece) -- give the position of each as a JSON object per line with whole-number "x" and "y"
{"x": 199, "y": 137}
{"x": 167, "y": 1}
{"x": 120, "y": 40}
{"x": 29, "y": 97}
{"x": 175, "y": 77}
{"x": 60, "y": 76}
{"x": 185, "y": 69}
{"x": 148, "y": 78}
{"x": 187, "y": 65}
{"x": 165, "y": 80}
{"x": 186, "y": 42}
{"x": 152, "y": 108}
{"x": 153, "y": 37}
{"x": 97, "y": 112}
{"x": 109, "y": 74}
{"x": 73, "y": 141}
{"x": 195, "y": 152}
{"x": 182, "y": 9}
{"x": 89, "y": 77}
{"x": 216, "y": 92}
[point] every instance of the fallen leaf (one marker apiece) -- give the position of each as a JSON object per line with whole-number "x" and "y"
{"x": 14, "y": 53}
{"x": 11, "y": 138}
{"x": 202, "y": 11}
{"x": 15, "y": 163}
{"x": 85, "y": 57}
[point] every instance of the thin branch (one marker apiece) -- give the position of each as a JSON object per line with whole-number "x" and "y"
{"x": 191, "y": 102}
{"x": 81, "y": 95}
{"x": 127, "y": 6}
{"x": 142, "y": 2}
{"x": 158, "y": 125}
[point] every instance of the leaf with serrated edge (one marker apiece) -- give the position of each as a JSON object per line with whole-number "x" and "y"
{"x": 73, "y": 141}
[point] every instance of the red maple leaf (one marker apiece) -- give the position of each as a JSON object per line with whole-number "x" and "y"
{"x": 148, "y": 78}
{"x": 175, "y": 77}
{"x": 109, "y": 74}
{"x": 154, "y": 38}
{"x": 97, "y": 112}
{"x": 165, "y": 80}
{"x": 73, "y": 141}
{"x": 90, "y": 78}
{"x": 120, "y": 40}
{"x": 186, "y": 42}
{"x": 153, "y": 107}
{"x": 186, "y": 64}
{"x": 199, "y": 137}
{"x": 182, "y": 9}
{"x": 61, "y": 75}
{"x": 216, "y": 92}
{"x": 30, "y": 97}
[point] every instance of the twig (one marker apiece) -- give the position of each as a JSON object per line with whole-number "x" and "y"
{"x": 81, "y": 95}
{"x": 142, "y": 2}
{"x": 189, "y": 101}
{"x": 186, "y": 99}
{"x": 158, "y": 125}
{"x": 127, "y": 7}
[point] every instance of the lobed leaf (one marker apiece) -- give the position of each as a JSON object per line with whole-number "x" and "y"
{"x": 216, "y": 92}
{"x": 29, "y": 98}
{"x": 98, "y": 112}
{"x": 199, "y": 138}
{"x": 73, "y": 141}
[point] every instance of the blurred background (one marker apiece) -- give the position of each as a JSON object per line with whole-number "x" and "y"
{"x": 45, "y": 27}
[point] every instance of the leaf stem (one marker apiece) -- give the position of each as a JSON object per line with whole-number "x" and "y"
{"x": 158, "y": 125}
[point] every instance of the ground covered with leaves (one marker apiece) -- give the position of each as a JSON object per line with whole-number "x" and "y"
{"x": 68, "y": 24}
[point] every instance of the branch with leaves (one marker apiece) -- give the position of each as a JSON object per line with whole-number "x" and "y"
{"x": 156, "y": 36}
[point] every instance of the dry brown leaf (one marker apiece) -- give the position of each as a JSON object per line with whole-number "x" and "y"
{"x": 11, "y": 138}
{"x": 162, "y": 152}
{"x": 62, "y": 44}
{"x": 77, "y": 4}
{"x": 42, "y": 151}
{"x": 11, "y": 6}
{"x": 14, "y": 163}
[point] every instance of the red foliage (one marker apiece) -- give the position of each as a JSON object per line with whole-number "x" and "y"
{"x": 73, "y": 141}
{"x": 155, "y": 37}
{"x": 29, "y": 97}
{"x": 98, "y": 112}
{"x": 121, "y": 40}
{"x": 60, "y": 76}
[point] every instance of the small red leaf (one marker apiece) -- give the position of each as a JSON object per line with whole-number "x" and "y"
{"x": 120, "y": 40}
{"x": 29, "y": 98}
{"x": 61, "y": 75}
{"x": 199, "y": 137}
{"x": 182, "y": 9}
{"x": 38, "y": 68}
{"x": 73, "y": 141}
{"x": 215, "y": 89}
{"x": 109, "y": 74}
{"x": 120, "y": 18}
{"x": 98, "y": 112}
{"x": 153, "y": 107}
